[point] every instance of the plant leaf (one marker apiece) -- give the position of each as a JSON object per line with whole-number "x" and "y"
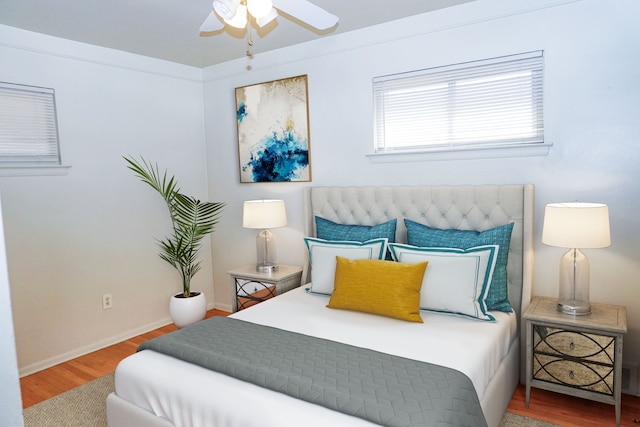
{"x": 192, "y": 219}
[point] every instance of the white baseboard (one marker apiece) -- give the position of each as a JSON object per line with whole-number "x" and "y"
{"x": 65, "y": 357}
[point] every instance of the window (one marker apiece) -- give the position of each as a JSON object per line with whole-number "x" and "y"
{"x": 494, "y": 103}
{"x": 28, "y": 127}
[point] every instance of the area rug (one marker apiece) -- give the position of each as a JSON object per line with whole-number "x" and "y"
{"x": 513, "y": 420}
{"x": 85, "y": 406}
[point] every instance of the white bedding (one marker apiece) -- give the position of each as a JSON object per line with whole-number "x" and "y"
{"x": 205, "y": 398}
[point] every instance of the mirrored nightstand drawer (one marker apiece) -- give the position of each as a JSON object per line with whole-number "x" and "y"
{"x": 574, "y": 373}
{"x": 580, "y": 345}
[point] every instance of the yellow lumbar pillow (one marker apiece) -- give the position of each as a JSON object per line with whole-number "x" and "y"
{"x": 381, "y": 287}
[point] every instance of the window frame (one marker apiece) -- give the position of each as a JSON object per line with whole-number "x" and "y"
{"x": 442, "y": 82}
{"x": 28, "y": 114}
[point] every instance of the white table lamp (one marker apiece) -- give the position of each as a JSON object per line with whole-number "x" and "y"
{"x": 575, "y": 225}
{"x": 265, "y": 214}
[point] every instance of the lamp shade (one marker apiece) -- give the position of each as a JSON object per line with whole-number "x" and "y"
{"x": 576, "y": 225}
{"x": 264, "y": 214}
{"x": 259, "y": 8}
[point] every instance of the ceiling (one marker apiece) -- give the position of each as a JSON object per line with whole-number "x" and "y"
{"x": 168, "y": 29}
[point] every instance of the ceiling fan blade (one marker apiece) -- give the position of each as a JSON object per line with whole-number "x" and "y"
{"x": 212, "y": 23}
{"x": 307, "y": 12}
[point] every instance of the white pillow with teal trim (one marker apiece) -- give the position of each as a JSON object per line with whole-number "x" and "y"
{"x": 323, "y": 253}
{"x": 456, "y": 280}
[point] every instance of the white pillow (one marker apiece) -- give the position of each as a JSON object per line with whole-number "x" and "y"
{"x": 456, "y": 280}
{"x": 323, "y": 253}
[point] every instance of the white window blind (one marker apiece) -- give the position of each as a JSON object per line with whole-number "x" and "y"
{"x": 28, "y": 126}
{"x": 490, "y": 103}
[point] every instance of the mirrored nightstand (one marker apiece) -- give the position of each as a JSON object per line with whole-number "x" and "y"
{"x": 251, "y": 287}
{"x": 576, "y": 355}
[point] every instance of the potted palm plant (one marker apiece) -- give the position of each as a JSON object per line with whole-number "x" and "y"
{"x": 191, "y": 221}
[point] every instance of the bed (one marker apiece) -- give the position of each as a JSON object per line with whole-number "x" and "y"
{"x": 155, "y": 389}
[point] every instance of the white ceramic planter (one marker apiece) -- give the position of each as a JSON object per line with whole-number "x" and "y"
{"x": 185, "y": 311}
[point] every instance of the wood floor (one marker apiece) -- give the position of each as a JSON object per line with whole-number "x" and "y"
{"x": 569, "y": 411}
{"x": 555, "y": 408}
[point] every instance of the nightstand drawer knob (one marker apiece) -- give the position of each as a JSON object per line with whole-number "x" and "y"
{"x": 572, "y": 346}
{"x": 571, "y": 374}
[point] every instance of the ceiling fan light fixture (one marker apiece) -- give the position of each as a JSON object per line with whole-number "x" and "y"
{"x": 226, "y": 9}
{"x": 259, "y": 8}
{"x": 273, "y": 14}
{"x": 239, "y": 20}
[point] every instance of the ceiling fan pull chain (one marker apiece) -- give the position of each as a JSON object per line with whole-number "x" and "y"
{"x": 249, "y": 43}
{"x": 249, "y": 39}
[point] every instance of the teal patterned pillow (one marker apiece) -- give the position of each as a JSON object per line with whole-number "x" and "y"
{"x": 329, "y": 230}
{"x": 422, "y": 235}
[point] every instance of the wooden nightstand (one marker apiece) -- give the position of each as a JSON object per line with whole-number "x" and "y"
{"x": 576, "y": 355}
{"x": 251, "y": 287}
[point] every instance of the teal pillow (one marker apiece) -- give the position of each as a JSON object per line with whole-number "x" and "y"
{"x": 329, "y": 230}
{"x": 425, "y": 236}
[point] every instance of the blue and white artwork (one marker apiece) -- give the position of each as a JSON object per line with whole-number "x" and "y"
{"x": 273, "y": 131}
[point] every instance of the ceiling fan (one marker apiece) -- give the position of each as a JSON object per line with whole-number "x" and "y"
{"x": 235, "y": 13}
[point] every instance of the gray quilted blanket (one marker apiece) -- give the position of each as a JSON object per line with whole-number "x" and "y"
{"x": 378, "y": 387}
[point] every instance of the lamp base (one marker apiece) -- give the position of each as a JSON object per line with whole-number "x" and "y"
{"x": 574, "y": 307}
{"x": 573, "y": 297}
{"x": 261, "y": 268}
{"x": 266, "y": 251}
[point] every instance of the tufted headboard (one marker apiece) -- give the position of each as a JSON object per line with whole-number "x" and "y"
{"x": 465, "y": 207}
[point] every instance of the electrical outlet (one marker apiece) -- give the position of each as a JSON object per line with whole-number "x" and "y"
{"x": 107, "y": 301}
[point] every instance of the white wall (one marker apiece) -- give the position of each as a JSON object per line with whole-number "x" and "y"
{"x": 10, "y": 399}
{"x": 74, "y": 237}
{"x": 592, "y": 105}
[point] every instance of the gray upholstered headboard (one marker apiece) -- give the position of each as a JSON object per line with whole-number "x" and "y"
{"x": 466, "y": 207}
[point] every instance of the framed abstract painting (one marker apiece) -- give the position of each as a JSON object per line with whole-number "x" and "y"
{"x": 273, "y": 131}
